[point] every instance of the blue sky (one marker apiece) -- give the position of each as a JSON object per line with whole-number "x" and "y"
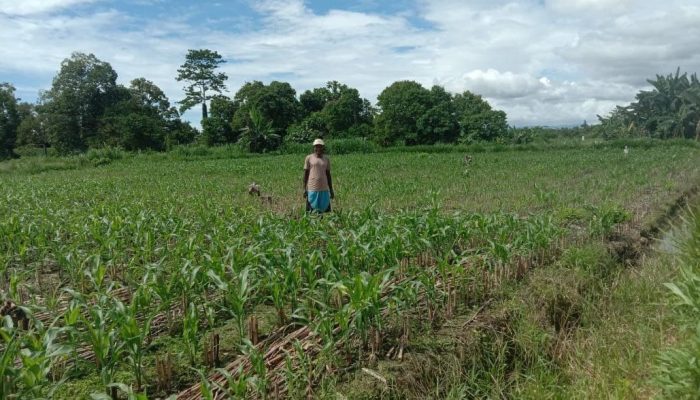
{"x": 551, "y": 62}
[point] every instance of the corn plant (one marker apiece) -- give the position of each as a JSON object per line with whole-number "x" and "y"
{"x": 38, "y": 352}
{"x": 365, "y": 303}
{"x": 258, "y": 377}
{"x": 134, "y": 331}
{"x": 236, "y": 386}
{"x": 237, "y": 295}
{"x": 120, "y": 387}
{"x": 190, "y": 333}
{"x": 39, "y": 355}
{"x": 11, "y": 345}
{"x": 101, "y": 334}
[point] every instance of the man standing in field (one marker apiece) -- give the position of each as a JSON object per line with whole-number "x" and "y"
{"x": 318, "y": 185}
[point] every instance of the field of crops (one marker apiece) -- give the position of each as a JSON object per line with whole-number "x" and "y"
{"x": 164, "y": 277}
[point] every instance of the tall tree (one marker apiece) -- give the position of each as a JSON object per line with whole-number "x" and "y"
{"x": 216, "y": 129}
{"x": 32, "y": 130}
{"x": 345, "y": 109}
{"x": 81, "y": 91}
{"x": 477, "y": 120}
{"x": 141, "y": 118}
{"x": 334, "y": 110}
{"x": 439, "y": 123}
{"x": 401, "y": 104}
{"x": 199, "y": 70}
{"x": 9, "y": 120}
{"x": 276, "y": 103}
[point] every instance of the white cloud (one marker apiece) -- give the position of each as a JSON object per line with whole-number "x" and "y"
{"x": 589, "y": 6}
{"x": 554, "y": 63}
{"x": 28, "y": 7}
{"x": 492, "y": 83}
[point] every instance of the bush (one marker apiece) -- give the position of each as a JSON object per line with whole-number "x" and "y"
{"x": 34, "y": 151}
{"x": 188, "y": 151}
{"x": 333, "y": 146}
{"x": 352, "y": 145}
{"x": 109, "y": 153}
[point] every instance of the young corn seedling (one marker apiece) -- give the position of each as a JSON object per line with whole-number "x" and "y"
{"x": 236, "y": 384}
{"x": 278, "y": 295}
{"x": 39, "y": 355}
{"x": 237, "y": 295}
{"x": 102, "y": 336}
{"x": 190, "y": 333}
{"x": 299, "y": 373}
{"x": 259, "y": 369}
{"x": 11, "y": 345}
{"x": 133, "y": 332}
{"x": 115, "y": 388}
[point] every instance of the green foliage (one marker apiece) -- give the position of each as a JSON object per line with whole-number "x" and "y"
{"x": 335, "y": 110}
{"x": 477, "y": 120}
{"x": 85, "y": 108}
{"x": 81, "y": 92}
{"x": 275, "y": 103}
{"x": 678, "y": 369}
{"x": 438, "y": 124}
{"x": 604, "y": 218}
{"x": 190, "y": 333}
{"x": 199, "y": 71}
{"x": 414, "y": 115}
{"x": 670, "y": 110}
{"x": 105, "y": 155}
{"x": 33, "y": 131}
{"x": 401, "y": 105}
{"x": 259, "y": 135}
{"x": 131, "y": 125}
{"x": 305, "y": 132}
{"x": 142, "y": 119}
{"x": 217, "y": 129}
{"x": 9, "y": 120}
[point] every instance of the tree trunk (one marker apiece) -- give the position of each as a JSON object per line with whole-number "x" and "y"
{"x": 204, "y": 103}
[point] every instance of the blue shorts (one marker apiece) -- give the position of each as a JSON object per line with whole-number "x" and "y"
{"x": 318, "y": 201}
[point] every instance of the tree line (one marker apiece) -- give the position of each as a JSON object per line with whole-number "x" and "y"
{"x": 86, "y": 108}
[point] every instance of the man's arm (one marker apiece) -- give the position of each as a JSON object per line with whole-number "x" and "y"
{"x": 330, "y": 182}
{"x": 306, "y": 181}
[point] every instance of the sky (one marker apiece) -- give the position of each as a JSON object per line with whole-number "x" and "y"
{"x": 543, "y": 62}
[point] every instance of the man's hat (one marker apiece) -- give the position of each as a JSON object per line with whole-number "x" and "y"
{"x": 319, "y": 142}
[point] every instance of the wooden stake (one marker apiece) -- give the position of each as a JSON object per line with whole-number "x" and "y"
{"x": 253, "y": 329}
